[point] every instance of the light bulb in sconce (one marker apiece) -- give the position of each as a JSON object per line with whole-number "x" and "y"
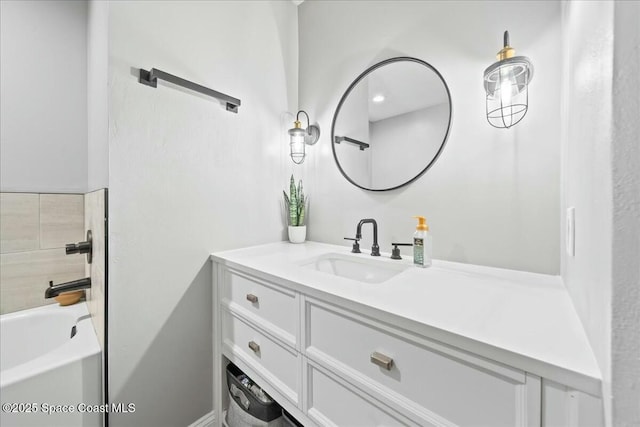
{"x": 378, "y": 98}
{"x": 506, "y": 87}
{"x": 506, "y": 83}
{"x": 299, "y": 137}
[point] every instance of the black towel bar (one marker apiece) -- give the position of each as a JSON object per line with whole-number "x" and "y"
{"x": 150, "y": 78}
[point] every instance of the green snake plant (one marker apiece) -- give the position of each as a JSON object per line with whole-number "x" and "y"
{"x": 295, "y": 203}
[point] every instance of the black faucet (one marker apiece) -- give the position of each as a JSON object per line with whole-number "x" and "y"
{"x": 375, "y": 249}
{"x": 74, "y": 285}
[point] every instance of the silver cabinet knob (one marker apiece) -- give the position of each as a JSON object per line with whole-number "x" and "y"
{"x": 252, "y": 298}
{"x": 381, "y": 360}
{"x": 254, "y": 346}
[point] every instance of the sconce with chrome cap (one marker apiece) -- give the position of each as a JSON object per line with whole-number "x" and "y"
{"x": 301, "y": 137}
{"x": 506, "y": 83}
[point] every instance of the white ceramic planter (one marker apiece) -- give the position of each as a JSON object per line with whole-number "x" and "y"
{"x": 297, "y": 234}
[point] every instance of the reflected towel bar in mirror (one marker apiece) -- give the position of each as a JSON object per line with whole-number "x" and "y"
{"x": 360, "y": 144}
{"x": 150, "y": 78}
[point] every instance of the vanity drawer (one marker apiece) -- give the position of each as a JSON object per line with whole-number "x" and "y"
{"x": 276, "y": 362}
{"x": 273, "y": 307}
{"x": 333, "y": 403}
{"x": 445, "y": 383}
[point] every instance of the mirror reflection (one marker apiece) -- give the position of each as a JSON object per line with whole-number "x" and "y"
{"x": 391, "y": 124}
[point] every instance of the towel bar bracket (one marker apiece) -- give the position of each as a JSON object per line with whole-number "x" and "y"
{"x": 145, "y": 78}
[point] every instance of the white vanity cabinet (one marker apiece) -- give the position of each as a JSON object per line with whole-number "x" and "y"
{"x": 340, "y": 371}
{"x": 332, "y": 361}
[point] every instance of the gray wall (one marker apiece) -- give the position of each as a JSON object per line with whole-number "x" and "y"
{"x": 43, "y": 131}
{"x": 97, "y": 95}
{"x": 187, "y": 178}
{"x": 493, "y": 197}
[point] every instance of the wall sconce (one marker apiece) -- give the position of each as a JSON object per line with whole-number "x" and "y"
{"x": 301, "y": 137}
{"x": 506, "y": 83}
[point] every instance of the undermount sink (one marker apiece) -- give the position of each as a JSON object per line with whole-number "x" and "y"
{"x": 362, "y": 268}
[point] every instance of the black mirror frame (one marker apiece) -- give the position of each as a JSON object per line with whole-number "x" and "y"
{"x": 348, "y": 91}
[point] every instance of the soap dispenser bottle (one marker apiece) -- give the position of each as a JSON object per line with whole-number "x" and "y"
{"x": 422, "y": 243}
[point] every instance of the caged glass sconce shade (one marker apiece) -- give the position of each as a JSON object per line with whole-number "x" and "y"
{"x": 300, "y": 137}
{"x": 506, "y": 83}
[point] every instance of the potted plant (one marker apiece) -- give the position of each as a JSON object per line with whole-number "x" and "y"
{"x": 295, "y": 208}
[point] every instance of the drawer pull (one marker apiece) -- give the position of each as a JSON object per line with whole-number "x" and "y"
{"x": 254, "y": 346}
{"x": 381, "y": 360}
{"x": 252, "y": 298}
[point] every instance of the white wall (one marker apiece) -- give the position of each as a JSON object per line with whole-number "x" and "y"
{"x": 43, "y": 107}
{"x": 586, "y": 168}
{"x": 625, "y": 316}
{"x": 97, "y": 95}
{"x": 625, "y": 153}
{"x": 601, "y": 179}
{"x": 493, "y": 197}
{"x": 188, "y": 178}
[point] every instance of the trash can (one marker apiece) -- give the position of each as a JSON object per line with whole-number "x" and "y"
{"x": 250, "y": 406}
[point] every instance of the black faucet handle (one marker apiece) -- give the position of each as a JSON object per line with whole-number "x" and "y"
{"x": 395, "y": 252}
{"x": 356, "y": 246}
{"x": 78, "y": 248}
{"x": 85, "y": 247}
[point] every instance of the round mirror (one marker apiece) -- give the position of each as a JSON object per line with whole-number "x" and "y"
{"x": 391, "y": 124}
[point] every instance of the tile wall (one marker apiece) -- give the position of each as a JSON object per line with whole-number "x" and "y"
{"x": 95, "y": 212}
{"x": 34, "y": 229}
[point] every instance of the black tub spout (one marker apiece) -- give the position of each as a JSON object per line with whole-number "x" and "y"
{"x": 75, "y": 285}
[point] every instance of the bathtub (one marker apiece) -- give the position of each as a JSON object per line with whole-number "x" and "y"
{"x": 47, "y": 377}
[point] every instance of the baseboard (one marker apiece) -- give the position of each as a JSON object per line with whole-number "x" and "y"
{"x": 206, "y": 421}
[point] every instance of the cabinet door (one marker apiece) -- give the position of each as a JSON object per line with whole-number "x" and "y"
{"x": 435, "y": 381}
{"x": 563, "y": 407}
{"x": 334, "y": 402}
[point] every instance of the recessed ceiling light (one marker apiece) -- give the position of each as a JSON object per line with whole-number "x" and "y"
{"x": 378, "y": 98}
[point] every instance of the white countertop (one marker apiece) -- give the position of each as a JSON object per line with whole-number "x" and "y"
{"x": 524, "y": 320}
